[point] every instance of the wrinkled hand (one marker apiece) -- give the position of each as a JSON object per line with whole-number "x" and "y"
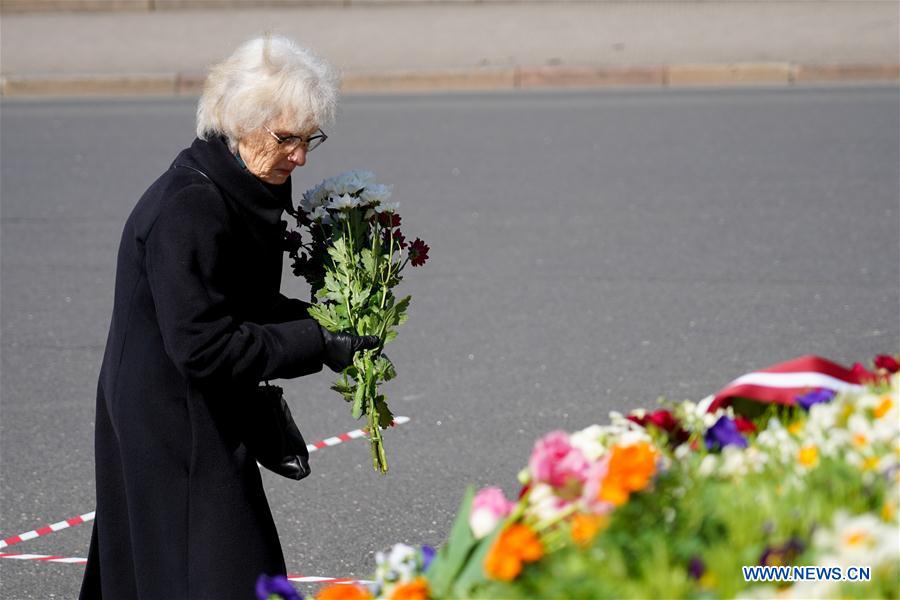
{"x": 340, "y": 348}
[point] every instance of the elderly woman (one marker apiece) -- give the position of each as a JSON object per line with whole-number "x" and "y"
{"x": 198, "y": 322}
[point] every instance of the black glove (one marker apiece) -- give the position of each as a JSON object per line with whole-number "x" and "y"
{"x": 340, "y": 348}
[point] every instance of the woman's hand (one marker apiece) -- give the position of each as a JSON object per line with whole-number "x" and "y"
{"x": 340, "y": 348}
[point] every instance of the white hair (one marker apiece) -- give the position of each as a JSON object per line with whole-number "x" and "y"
{"x": 266, "y": 78}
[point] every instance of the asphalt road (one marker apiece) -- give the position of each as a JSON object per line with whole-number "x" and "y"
{"x": 590, "y": 252}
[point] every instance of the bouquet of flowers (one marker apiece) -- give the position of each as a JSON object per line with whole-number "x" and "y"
{"x": 687, "y": 502}
{"x": 353, "y": 262}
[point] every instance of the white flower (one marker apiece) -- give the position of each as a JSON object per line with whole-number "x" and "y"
{"x": 321, "y": 215}
{"x": 400, "y": 564}
{"x": 376, "y": 193}
{"x": 349, "y": 182}
{"x": 389, "y": 207}
{"x": 858, "y": 540}
{"x": 343, "y": 202}
{"x": 588, "y": 441}
{"x": 313, "y": 198}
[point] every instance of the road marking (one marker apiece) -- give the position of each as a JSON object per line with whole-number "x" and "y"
{"x": 44, "y": 558}
{"x": 337, "y": 580}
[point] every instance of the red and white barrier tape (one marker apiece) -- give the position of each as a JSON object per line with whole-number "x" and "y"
{"x": 346, "y": 437}
{"x": 46, "y": 530}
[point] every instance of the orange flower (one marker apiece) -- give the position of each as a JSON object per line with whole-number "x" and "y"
{"x": 344, "y": 592}
{"x": 515, "y": 545}
{"x": 585, "y": 527}
{"x": 630, "y": 469}
{"x": 883, "y": 408}
{"x": 417, "y": 589}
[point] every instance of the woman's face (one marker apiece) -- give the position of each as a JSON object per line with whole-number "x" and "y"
{"x": 266, "y": 158}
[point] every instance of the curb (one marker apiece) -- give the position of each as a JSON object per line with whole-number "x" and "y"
{"x": 44, "y": 6}
{"x": 476, "y": 79}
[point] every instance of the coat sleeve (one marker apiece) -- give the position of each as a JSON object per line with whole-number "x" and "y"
{"x": 207, "y": 344}
{"x": 288, "y": 309}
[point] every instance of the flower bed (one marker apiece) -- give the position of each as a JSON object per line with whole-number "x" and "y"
{"x": 680, "y": 503}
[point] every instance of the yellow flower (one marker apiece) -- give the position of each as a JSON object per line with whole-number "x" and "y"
{"x": 856, "y": 538}
{"x": 859, "y": 440}
{"x": 870, "y": 463}
{"x": 808, "y": 456}
{"x": 883, "y": 408}
{"x": 796, "y": 427}
{"x": 888, "y": 511}
{"x": 708, "y": 581}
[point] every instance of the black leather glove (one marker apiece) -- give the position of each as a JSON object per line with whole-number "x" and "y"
{"x": 340, "y": 348}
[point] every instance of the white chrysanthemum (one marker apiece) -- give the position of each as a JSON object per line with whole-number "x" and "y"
{"x": 858, "y": 540}
{"x": 376, "y": 193}
{"x": 342, "y": 202}
{"x": 350, "y": 182}
{"x": 313, "y": 198}
{"x": 387, "y": 207}
{"x": 321, "y": 215}
{"x": 588, "y": 441}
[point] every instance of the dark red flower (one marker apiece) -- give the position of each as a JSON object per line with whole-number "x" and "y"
{"x": 389, "y": 219}
{"x": 744, "y": 425}
{"x": 399, "y": 238}
{"x": 418, "y": 253}
{"x": 665, "y": 420}
{"x": 887, "y": 362}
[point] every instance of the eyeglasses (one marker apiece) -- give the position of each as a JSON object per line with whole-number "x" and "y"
{"x": 292, "y": 142}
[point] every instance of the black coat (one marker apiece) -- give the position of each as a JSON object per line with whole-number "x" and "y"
{"x": 198, "y": 322}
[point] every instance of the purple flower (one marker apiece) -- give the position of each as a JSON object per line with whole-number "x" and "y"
{"x": 783, "y": 555}
{"x": 724, "y": 433}
{"x": 820, "y": 396}
{"x": 696, "y": 568}
{"x": 427, "y": 556}
{"x": 277, "y": 586}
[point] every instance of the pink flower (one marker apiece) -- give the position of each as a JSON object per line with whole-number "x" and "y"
{"x": 556, "y": 462}
{"x": 591, "y": 496}
{"x": 489, "y": 507}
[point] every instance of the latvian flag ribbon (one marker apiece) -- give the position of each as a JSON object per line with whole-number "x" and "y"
{"x": 782, "y": 383}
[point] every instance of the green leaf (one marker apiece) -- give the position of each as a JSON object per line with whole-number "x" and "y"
{"x": 368, "y": 261}
{"x": 389, "y": 336}
{"x": 359, "y": 397}
{"x": 324, "y": 316}
{"x": 452, "y": 556}
{"x": 343, "y": 388}
{"x": 473, "y": 572}
{"x": 400, "y": 310}
{"x": 385, "y": 416}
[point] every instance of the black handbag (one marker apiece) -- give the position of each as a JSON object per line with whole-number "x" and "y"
{"x": 271, "y": 435}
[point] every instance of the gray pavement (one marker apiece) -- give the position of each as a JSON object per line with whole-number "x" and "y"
{"x": 590, "y": 252}
{"x": 465, "y": 45}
